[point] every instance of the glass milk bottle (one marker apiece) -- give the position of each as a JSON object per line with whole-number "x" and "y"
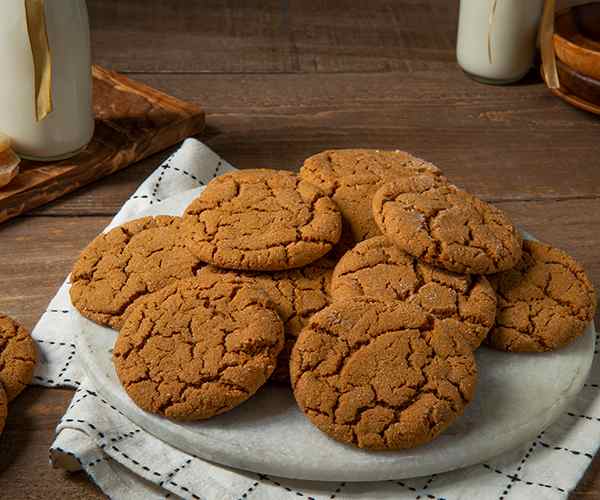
{"x": 68, "y": 126}
{"x": 496, "y": 39}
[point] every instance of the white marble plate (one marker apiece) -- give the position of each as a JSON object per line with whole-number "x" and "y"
{"x": 517, "y": 396}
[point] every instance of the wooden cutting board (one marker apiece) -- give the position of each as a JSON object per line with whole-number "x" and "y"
{"x": 133, "y": 121}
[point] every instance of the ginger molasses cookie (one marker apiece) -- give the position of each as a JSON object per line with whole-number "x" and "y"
{"x": 296, "y": 294}
{"x": 378, "y": 268}
{"x": 544, "y": 303}
{"x": 352, "y": 176}
{"x": 381, "y": 375}
{"x": 262, "y": 220}
{"x": 198, "y": 348}
{"x": 446, "y": 227}
{"x": 121, "y": 266}
{"x": 3, "y": 408}
{"x": 17, "y": 357}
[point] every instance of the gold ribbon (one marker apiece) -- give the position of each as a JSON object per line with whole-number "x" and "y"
{"x": 42, "y": 59}
{"x": 491, "y": 17}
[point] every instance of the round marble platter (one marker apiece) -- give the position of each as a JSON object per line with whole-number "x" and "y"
{"x": 518, "y": 395}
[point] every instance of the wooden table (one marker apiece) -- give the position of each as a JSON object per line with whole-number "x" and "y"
{"x": 279, "y": 83}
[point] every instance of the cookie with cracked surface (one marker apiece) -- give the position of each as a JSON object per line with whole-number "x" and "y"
{"x": 198, "y": 348}
{"x": 446, "y": 227}
{"x": 352, "y": 176}
{"x": 381, "y": 375}
{"x": 262, "y": 220}
{"x": 544, "y": 303}
{"x": 18, "y": 356}
{"x": 378, "y": 268}
{"x": 3, "y": 408}
{"x": 296, "y": 294}
{"x": 121, "y": 266}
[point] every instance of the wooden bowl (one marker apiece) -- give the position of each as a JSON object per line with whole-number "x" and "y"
{"x": 565, "y": 94}
{"x": 580, "y": 85}
{"x": 577, "y": 38}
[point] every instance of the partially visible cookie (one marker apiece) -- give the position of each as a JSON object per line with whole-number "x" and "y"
{"x": 262, "y": 220}
{"x": 544, "y": 303}
{"x": 381, "y": 375}
{"x": 352, "y": 176}
{"x": 297, "y": 294}
{"x": 17, "y": 357}
{"x": 378, "y": 268}
{"x": 121, "y": 266}
{"x": 446, "y": 226}
{"x": 3, "y": 408}
{"x": 198, "y": 348}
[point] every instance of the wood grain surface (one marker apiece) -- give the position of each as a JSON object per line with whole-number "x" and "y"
{"x": 132, "y": 121}
{"x": 279, "y": 82}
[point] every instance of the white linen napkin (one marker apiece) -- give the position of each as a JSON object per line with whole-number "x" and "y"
{"x": 126, "y": 462}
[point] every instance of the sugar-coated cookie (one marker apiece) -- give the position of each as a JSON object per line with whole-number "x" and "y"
{"x": 198, "y": 348}
{"x": 262, "y": 220}
{"x": 446, "y": 227}
{"x": 544, "y": 303}
{"x": 18, "y": 356}
{"x": 381, "y": 375}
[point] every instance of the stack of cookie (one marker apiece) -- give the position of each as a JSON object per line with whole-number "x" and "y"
{"x": 390, "y": 364}
{"x": 367, "y": 282}
{"x": 17, "y": 361}
{"x": 197, "y": 340}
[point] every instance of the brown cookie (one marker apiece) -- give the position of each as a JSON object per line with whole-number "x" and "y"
{"x": 378, "y": 268}
{"x": 352, "y": 176}
{"x": 446, "y": 227}
{"x": 381, "y": 375}
{"x": 17, "y": 357}
{"x": 120, "y": 267}
{"x": 3, "y": 408}
{"x": 544, "y": 303}
{"x": 296, "y": 294}
{"x": 198, "y": 348}
{"x": 262, "y": 220}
